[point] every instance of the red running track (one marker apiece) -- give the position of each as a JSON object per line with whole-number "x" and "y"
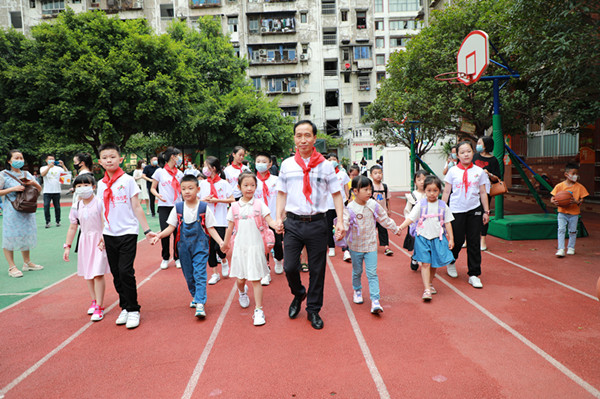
{"x": 532, "y": 331}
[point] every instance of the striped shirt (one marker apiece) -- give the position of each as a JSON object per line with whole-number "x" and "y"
{"x": 364, "y": 233}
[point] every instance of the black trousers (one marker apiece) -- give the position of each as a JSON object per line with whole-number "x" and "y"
{"x": 330, "y": 216}
{"x": 163, "y": 215}
{"x": 313, "y": 236}
{"x": 278, "y": 248}
{"x": 151, "y": 200}
{"x": 484, "y": 227}
{"x": 55, "y": 199}
{"x": 120, "y": 251}
{"x": 384, "y": 239}
{"x": 468, "y": 225}
{"x": 215, "y": 249}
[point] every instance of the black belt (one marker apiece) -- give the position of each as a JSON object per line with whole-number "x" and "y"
{"x": 306, "y": 218}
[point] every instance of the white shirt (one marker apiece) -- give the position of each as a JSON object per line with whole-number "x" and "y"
{"x": 322, "y": 180}
{"x": 52, "y": 179}
{"x": 121, "y": 219}
{"x": 232, "y": 174}
{"x": 272, "y": 199}
{"x": 343, "y": 179}
{"x": 165, "y": 188}
{"x": 458, "y": 202}
{"x": 194, "y": 172}
{"x": 246, "y": 209}
{"x": 223, "y": 192}
{"x": 190, "y": 215}
{"x": 431, "y": 226}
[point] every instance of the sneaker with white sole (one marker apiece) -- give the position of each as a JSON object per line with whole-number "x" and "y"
{"x": 224, "y": 267}
{"x": 331, "y": 252}
{"x": 200, "y": 312}
{"x": 92, "y": 308}
{"x": 122, "y": 319}
{"x": 376, "y": 307}
{"x": 426, "y": 295}
{"x": 432, "y": 290}
{"x": 357, "y": 296}
{"x": 266, "y": 280}
{"x": 259, "y": 317}
{"x": 178, "y": 264}
{"x": 164, "y": 264}
{"x": 193, "y": 304}
{"x": 570, "y": 251}
{"x": 278, "y": 266}
{"x": 347, "y": 256}
{"x": 451, "y": 270}
{"x": 214, "y": 279}
{"x": 98, "y": 314}
{"x": 133, "y": 319}
{"x": 475, "y": 282}
{"x": 244, "y": 300}
{"x": 560, "y": 253}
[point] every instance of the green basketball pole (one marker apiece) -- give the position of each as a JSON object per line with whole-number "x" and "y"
{"x": 498, "y": 146}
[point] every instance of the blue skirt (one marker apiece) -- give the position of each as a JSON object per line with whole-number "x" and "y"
{"x": 435, "y": 252}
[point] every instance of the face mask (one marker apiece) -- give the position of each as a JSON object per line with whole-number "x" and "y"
{"x": 262, "y": 167}
{"x": 143, "y": 165}
{"x": 189, "y": 166}
{"x": 478, "y": 148}
{"x": 77, "y": 167}
{"x": 51, "y": 162}
{"x": 18, "y": 164}
{"x": 84, "y": 192}
{"x": 573, "y": 177}
{"x": 335, "y": 164}
{"x": 206, "y": 172}
{"x": 454, "y": 156}
{"x": 154, "y": 163}
{"x": 179, "y": 161}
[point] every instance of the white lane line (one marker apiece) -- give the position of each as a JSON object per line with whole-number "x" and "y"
{"x": 379, "y": 383}
{"x": 17, "y": 293}
{"x": 66, "y": 342}
{"x": 193, "y": 381}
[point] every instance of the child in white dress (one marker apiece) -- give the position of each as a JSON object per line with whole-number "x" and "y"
{"x": 92, "y": 263}
{"x": 248, "y": 261}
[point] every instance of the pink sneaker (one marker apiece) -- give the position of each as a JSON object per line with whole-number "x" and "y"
{"x": 98, "y": 314}
{"x": 92, "y": 307}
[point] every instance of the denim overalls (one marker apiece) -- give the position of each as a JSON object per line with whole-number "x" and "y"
{"x": 193, "y": 252}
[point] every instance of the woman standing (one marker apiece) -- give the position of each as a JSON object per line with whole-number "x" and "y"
{"x": 233, "y": 171}
{"x": 83, "y": 164}
{"x": 19, "y": 230}
{"x": 139, "y": 179}
{"x": 488, "y": 162}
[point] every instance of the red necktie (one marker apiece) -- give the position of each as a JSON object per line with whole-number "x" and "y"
{"x": 265, "y": 188}
{"x": 315, "y": 159}
{"x": 174, "y": 183}
{"x": 108, "y": 196}
{"x": 465, "y": 175}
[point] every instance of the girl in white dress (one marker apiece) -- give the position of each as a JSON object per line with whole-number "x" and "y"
{"x": 248, "y": 261}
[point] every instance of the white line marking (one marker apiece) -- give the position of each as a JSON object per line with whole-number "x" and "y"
{"x": 379, "y": 383}
{"x": 66, "y": 342}
{"x": 193, "y": 381}
{"x": 17, "y": 293}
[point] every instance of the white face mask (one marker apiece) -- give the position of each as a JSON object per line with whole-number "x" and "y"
{"x": 573, "y": 177}
{"x": 262, "y": 167}
{"x": 84, "y": 192}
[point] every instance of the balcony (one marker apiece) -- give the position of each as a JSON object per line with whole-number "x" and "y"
{"x": 115, "y": 6}
{"x": 282, "y": 85}
{"x": 205, "y": 3}
{"x": 274, "y": 26}
{"x": 272, "y": 56}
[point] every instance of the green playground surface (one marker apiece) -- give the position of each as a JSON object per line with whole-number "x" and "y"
{"x": 48, "y": 253}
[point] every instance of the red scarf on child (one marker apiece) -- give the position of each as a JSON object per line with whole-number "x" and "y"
{"x": 315, "y": 159}
{"x": 237, "y": 167}
{"x": 108, "y": 196}
{"x": 265, "y": 187}
{"x": 174, "y": 183}
{"x": 337, "y": 170}
{"x": 465, "y": 175}
{"x": 212, "y": 181}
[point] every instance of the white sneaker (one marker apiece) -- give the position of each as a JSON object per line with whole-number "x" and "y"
{"x": 122, "y": 319}
{"x": 200, "y": 312}
{"x": 451, "y": 270}
{"x": 178, "y": 264}
{"x": 357, "y": 296}
{"x": 347, "y": 257}
{"x": 259, "y": 317}
{"x": 133, "y": 319}
{"x": 331, "y": 252}
{"x": 224, "y": 267}
{"x": 214, "y": 279}
{"x": 266, "y": 280}
{"x": 475, "y": 282}
{"x": 278, "y": 266}
{"x": 560, "y": 253}
{"x": 244, "y": 300}
{"x": 164, "y": 264}
{"x": 570, "y": 251}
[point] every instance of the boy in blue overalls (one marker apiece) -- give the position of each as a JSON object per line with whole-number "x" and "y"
{"x": 191, "y": 220}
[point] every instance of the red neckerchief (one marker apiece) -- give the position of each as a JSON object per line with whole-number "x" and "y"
{"x": 237, "y": 167}
{"x": 315, "y": 159}
{"x": 174, "y": 183}
{"x": 465, "y": 175}
{"x": 265, "y": 188}
{"x": 337, "y": 170}
{"x": 108, "y": 196}
{"x": 212, "y": 181}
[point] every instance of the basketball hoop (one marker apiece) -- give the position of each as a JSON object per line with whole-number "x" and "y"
{"x": 453, "y": 77}
{"x": 472, "y": 60}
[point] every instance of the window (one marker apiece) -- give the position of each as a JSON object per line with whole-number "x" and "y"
{"x": 329, "y": 36}
{"x": 361, "y": 20}
{"x": 399, "y": 41}
{"x": 256, "y": 83}
{"x": 378, "y": 5}
{"x": 332, "y": 127}
{"x": 344, "y": 15}
{"x": 552, "y": 144}
{"x": 289, "y": 111}
{"x": 404, "y": 5}
{"x": 52, "y": 6}
{"x": 368, "y": 153}
{"x": 166, "y": 11}
{"x": 396, "y": 24}
{"x": 305, "y": 49}
{"x": 347, "y": 108}
{"x": 380, "y": 75}
{"x": 283, "y": 85}
{"x": 346, "y": 78}
{"x": 232, "y": 23}
{"x": 380, "y": 42}
{"x": 236, "y": 50}
{"x": 379, "y": 25}
{"x": 15, "y": 19}
{"x": 331, "y": 98}
{"x": 364, "y": 82}
{"x": 253, "y": 25}
{"x": 330, "y": 67}
{"x": 31, "y": 3}
{"x": 76, "y": 1}
{"x": 346, "y": 54}
{"x": 362, "y": 52}
{"x": 303, "y": 17}
{"x": 380, "y": 58}
{"x": 306, "y": 109}
{"x": 327, "y": 7}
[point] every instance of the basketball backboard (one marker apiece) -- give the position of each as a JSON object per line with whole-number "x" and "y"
{"x": 473, "y": 57}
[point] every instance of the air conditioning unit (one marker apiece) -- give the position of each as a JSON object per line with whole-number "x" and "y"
{"x": 262, "y": 52}
{"x": 264, "y": 29}
{"x": 138, "y": 4}
{"x": 303, "y": 57}
{"x": 295, "y": 90}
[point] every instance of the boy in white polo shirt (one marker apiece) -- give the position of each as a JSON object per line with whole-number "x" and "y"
{"x": 121, "y": 212}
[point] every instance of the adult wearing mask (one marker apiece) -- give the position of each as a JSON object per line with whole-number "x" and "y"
{"x": 485, "y": 159}
{"x": 147, "y": 174}
{"x": 166, "y": 187}
{"x": 451, "y": 161}
{"x": 83, "y": 164}
{"x": 19, "y": 230}
{"x": 51, "y": 175}
{"x": 190, "y": 169}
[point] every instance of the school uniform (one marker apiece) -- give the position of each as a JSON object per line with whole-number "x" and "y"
{"x": 224, "y": 191}
{"x": 271, "y": 202}
{"x": 232, "y": 174}
{"x": 166, "y": 190}
{"x": 331, "y": 215}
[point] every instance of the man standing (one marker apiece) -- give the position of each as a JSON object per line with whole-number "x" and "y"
{"x": 51, "y": 175}
{"x": 147, "y": 175}
{"x": 305, "y": 181}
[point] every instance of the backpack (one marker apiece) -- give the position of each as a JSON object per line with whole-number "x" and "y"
{"x": 268, "y": 237}
{"x": 440, "y": 215}
{"x": 26, "y": 200}
{"x": 201, "y": 218}
{"x": 352, "y": 222}
{"x": 385, "y": 194}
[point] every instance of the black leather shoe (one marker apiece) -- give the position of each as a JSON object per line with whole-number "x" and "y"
{"x": 295, "y": 306}
{"x": 315, "y": 321}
